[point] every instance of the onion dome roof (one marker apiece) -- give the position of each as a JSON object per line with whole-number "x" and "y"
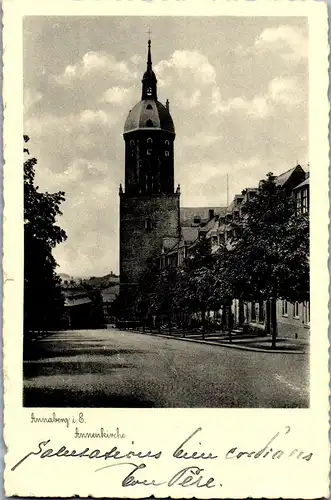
{"x": 149, "y": 114}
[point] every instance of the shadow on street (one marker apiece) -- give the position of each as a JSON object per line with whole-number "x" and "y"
{"x": 58, "y": 398}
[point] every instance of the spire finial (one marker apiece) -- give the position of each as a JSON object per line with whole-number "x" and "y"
{"x": 149, "y": 57}
{"x": 149, "y": 79}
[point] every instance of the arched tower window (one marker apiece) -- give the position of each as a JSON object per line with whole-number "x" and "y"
{"x": 167, "y": 143}
{"x": 132, "y": 143}
{"x": 166, "y": 153}
{"x": 149, "y": 123}
{"x": 149, "y": 152}
{"x": 149, "y": 91}
{"x": 139, "y": 165}
{"x": 149, "y": 140}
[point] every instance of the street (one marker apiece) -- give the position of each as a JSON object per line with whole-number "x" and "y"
{"x": 112, "y": 368}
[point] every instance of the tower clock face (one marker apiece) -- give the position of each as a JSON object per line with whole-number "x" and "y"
{"x": 149, "y": 91}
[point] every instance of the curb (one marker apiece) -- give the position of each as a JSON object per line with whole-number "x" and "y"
{"x": 221, "y": 344}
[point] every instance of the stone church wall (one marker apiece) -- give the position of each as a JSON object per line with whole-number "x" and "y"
{"x": 144, "y": 222}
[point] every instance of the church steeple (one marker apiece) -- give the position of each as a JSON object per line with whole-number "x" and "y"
{"x": 149, "y": 90}
{"x": 149, "y": 57}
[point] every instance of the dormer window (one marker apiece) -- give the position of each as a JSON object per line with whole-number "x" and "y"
{"x": 236, "y": 215}
{"x": 149, "y": 106}
{"x": 149, "y": 123}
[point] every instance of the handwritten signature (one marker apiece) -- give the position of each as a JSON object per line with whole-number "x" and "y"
{"x": 190, "y": 475}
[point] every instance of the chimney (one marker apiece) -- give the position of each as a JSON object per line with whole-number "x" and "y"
{"x": 167, "y": 105}
{"x": 211, "y": 213}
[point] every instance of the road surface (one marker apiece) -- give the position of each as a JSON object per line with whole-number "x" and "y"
{"x": 112, "y": 368}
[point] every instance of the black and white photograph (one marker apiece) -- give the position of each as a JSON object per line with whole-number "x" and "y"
{"x": 166, "y": 212}
{"x": 165, "y": 249}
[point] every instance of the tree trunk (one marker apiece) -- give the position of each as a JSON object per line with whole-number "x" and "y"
{"x": 268, "y": 317}
{"x": 203, "y": 318}
{"x": 241, "y": 313}
{"x": 274, "y": 319}
{"x": 224, "y": 318}
{"x": 229, "y": 317}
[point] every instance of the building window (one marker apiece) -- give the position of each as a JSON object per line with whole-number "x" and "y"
{"x": 298, "y": 202}
{"x": 306, "y": 313}
{"x": 149, "y": 106}
{"x": 149, "y": 152}
{"x": 166, "y": 143}
{"x": 148, "y": 224}
{"x": 149, "y": 140}
{"x": 166, "y": 153}
{"x": 296, "y": 310}
{"x": 139, "y": 165}
{"x": 149, "y": 123}
{"x": 284, "y": 308}
{"x": 304, "y": 201}
{"x": 196, "y": 220}
{"x": 132, "y": 143}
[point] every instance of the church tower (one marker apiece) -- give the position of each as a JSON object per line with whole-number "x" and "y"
{"x": 149, "y": 206}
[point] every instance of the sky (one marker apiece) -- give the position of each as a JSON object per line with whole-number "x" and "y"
{"x": 238, "y": 92}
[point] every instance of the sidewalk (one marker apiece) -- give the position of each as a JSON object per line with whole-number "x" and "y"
{"x": 240, "y": 340}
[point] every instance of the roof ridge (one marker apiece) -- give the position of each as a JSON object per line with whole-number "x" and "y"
{"x": 289, "y": 170}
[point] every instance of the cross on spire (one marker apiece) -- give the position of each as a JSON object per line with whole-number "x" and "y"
{"x": 149, "y": 32}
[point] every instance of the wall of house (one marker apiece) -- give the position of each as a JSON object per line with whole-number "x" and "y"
{"x": 293, "y": 320}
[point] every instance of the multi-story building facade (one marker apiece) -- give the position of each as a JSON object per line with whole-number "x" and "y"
{"x": 218, "y": 225}
{"x": 293, "y": 319}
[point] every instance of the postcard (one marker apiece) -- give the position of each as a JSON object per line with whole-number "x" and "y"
{"x": 166, "y": 249}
